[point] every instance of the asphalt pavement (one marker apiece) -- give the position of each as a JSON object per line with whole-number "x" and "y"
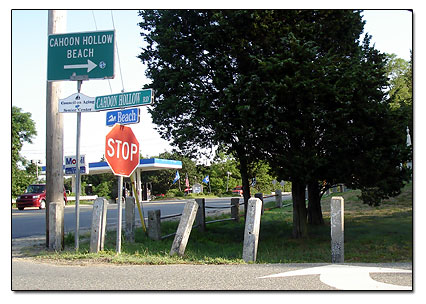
{"x": 30, "y": 275}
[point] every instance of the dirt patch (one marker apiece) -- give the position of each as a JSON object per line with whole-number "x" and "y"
{"x": 27, "y": 247}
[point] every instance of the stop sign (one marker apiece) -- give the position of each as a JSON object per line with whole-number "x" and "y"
{"x": 122, "y": 150}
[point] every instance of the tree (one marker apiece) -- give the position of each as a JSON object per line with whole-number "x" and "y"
{"x": 400, "y": 89}
{"x": 199, "y": 62}
{"x": 332, "y": 119}
{"x": 294, "y": 87}
{"x": 23, "y": 130}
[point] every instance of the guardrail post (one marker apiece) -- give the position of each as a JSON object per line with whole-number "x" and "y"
{"x": 278, "y": 198}
{"x": 200, "y": 219}
{"x": 56, "y": 226}
{"x": 130, "y": 219}
{"x": 97, "y": 233}
{"x": 184, "y": 228}
{"x": 235, "y": 208}
{"x": 260, "y": 196}
{"x": 337, "y": 229}
{"x": 251, "y": 231}
{"x": 154, "y": 224}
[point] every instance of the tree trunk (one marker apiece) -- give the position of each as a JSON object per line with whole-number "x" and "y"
{"x": 245, "y": 181}
{"x": 314, "y": 204}
{"x": 299, "y": 210}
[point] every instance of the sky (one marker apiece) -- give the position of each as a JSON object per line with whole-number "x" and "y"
{"x": 391, "y": 31}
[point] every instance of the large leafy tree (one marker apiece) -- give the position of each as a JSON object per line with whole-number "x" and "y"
{"x": 23, "y": 130}
{"x": 199, "y": 63}
{"x": 295, "y": 87}
{"x": 332, "y": 122}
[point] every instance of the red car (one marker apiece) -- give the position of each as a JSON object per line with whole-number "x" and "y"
{"x": 238, "y": 190}
{"x": 35, "y": 196}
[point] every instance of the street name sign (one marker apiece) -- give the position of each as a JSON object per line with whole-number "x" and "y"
{"x": 70, "y": 165}
{"x": 124, "y": 100}
{"x": 80, "y": 56}
{"x": 77, "y": 102}
{"x": 123, "y": 117}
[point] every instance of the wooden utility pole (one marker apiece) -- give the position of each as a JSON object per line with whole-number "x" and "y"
{"x": 54, "y": 129}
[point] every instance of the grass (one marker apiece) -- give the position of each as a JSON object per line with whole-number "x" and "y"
{"x": 372, "y": 234}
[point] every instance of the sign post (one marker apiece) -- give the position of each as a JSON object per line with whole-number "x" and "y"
{"x": 122, "y": 155}
{"x": 80, "y": 56}
{"x": 77, "y": 176}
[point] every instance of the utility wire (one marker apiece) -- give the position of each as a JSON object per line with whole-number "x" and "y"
{"x": 96, "y": 26}
{"x": 118, "y": 55}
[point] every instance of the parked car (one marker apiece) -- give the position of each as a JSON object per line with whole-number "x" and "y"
{"x": 188, "y": 190}
{"x": 238, "y": 190}
{"x": 35, "y": 196}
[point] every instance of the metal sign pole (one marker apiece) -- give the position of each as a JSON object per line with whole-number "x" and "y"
{"x": 77, "y": 176}
{"x": 120, "y": 192}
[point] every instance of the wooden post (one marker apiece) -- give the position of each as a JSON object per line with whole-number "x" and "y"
{"x": 235, "y": 208}
{"x": 337, "y": 230}
{"x": 103, "y": 222}
{"x": 97, "y": 224}
{"x": 252, "y": 228}
{"x": 200, "y": 218}
{"x": 130, "y": 219}
{"x": 97, "y": 231}
{"x": 260, "y": 196}
{"x": 154, "y": 224}
{"x": 54, "y": 129}
{"x": 56, "y": 226}
{"x": 184, "y": 228}
{"x": 278, "y": 198}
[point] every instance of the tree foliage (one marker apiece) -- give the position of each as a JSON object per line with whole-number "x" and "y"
{"x": 23, "y": 130}
{"x": 296, "y": 88}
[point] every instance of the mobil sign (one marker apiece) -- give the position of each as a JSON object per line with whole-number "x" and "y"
{"x": 70, "y": 165}
{"x": 122, "y": 150}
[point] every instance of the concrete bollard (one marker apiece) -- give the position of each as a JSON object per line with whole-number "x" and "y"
{"x": 184, "y": 228}
{"x": 154, "y": 224}
{"x": 337, "y": 230}
{"x": 56, "y": 226}
{"x": 200, "y": 218}
{"x": 278, "y": 198}
{"x": 97, "y": 232}
{"x": 235, "y": 208}
{"x": 251, "y": 231}
{"x": 129, "y": 229}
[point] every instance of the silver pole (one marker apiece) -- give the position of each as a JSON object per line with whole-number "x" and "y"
{"x": 120, "y": 192}
{"x": 77, "y": 176}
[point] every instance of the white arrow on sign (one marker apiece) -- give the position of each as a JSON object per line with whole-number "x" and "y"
{"x": 347, "y": 277}
{"x": 90, "y": 66}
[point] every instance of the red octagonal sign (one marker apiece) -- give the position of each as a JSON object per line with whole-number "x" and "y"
{"x": 122, "y": 150}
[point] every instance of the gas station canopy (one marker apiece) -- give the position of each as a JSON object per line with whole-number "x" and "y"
{"x": 150, "y": 164}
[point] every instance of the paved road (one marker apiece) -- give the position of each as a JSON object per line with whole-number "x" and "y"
{"x": 32, "y": 221}
{"x": 30, "y": 275}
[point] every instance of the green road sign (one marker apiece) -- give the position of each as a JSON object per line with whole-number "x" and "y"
{"x": 80, "y": 56}
{"x": 124, "y": 100}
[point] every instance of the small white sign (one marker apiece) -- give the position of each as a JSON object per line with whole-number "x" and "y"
{"x": 77, "y": 102}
